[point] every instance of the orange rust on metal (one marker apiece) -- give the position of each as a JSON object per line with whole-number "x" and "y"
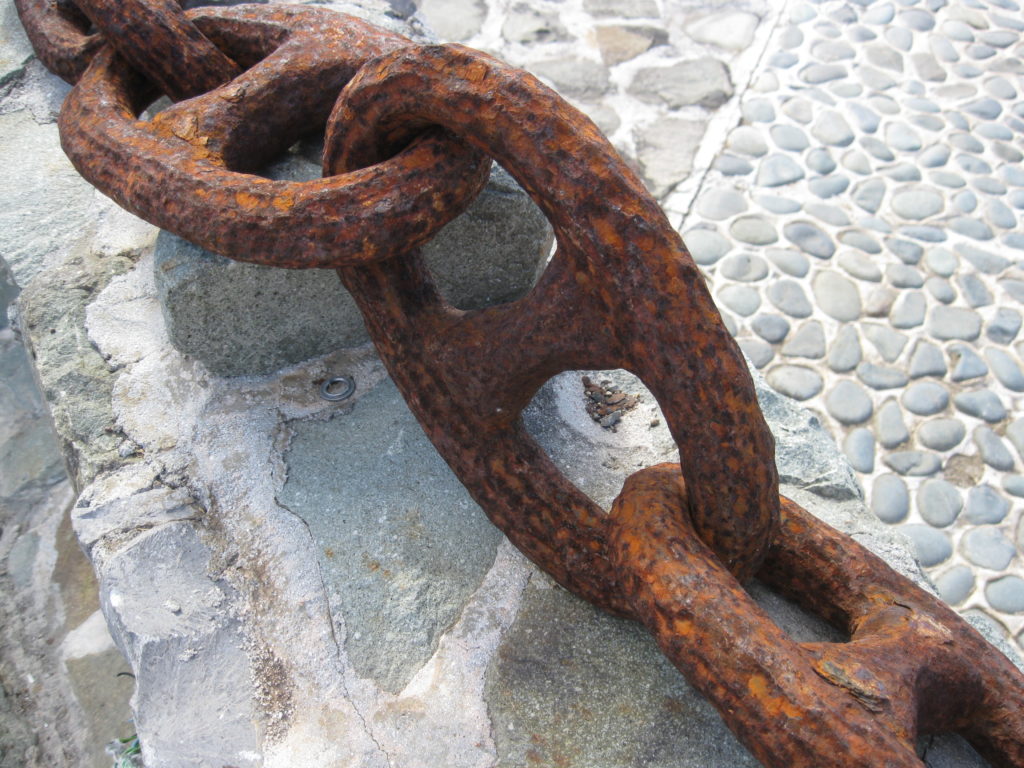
{"x": 621, "y": 291}
{"x": 157, "y": 38}
{"x": 59, "y": 34}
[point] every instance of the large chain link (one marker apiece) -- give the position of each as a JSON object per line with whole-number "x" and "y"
{"x": 405, "y": 152}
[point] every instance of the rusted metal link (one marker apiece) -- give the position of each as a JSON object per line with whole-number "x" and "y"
{"x": 911, "y": 666}
{"x": 59, "y": 34}
{"x": 157, "y": 38}
{"x": 189, "y": 169}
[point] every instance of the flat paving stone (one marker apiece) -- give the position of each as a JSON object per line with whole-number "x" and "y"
{"x": 985, "y": 505}
{"x": 956, "y": 584}
{"x": 771, "y": 328}
{"x": 932, "y": 546}
{"x": 890, "y": 499}
{"x": 982, "y": 404}
{"x": 987, "y": 547}
{"x": 848, "y": 403}
{"x": 946, "y": 323}
{"x": 704, "y": 82}
{"x": 941, "y": 434}
{"x": 796, "y": 381}
{"x": 925, "y": 398}
{"x": 939, "y": 502}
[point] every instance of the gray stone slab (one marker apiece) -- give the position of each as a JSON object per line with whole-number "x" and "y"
{"x": 245, "y": 319}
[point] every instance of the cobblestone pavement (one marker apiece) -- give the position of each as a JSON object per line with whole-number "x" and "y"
{"x": 849, "y": 176}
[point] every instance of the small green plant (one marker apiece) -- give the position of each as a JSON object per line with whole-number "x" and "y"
{"x": 129, "y": 749}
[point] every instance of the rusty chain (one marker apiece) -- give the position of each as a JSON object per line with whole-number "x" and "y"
{"x": 408, "y": 143}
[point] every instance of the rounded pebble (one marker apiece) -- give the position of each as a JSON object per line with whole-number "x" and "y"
{"x": 908, "y": 312}
{"x": 982, "y": 404}
{"x": 755, "y": 230}
{"x": 881, "y": 376}
{"x": 941, "y": 434}
{"x": 955, "y": 584}
{"x": 889, "y": 427}
{"x": 974, "y": 291}
{"x": 917, "y": 203}
{"x": 789, "y": 137}
{"x": 1014, "y": 484}
{"x": 741, "y": 299}
{"x": 1005, "y": 369}
{"x": 932, "y": 546}
{"x": 1006, "y": 594}
{"x": 706, "y": 245}
{"x": 759, "y": 353}
{"x": 791, "y": 262}
{"x": 771, "y": 328}
{"x": 859, "y": 447}
{"x": 720, "y": 204}
{"x": 879, "y": 301}
{"x": 808, "y": 341}
{"x": 747, "y": 140}
{"x": 992, "y": 449}
{"x": 837, "y": 296}
{"x": 789, "y": 297}
{"x": 888, "y": 342}
{"x": 966, "y": 363}
{"x": 926, "y": 360}
{"x": 906, "y": 251}
{"x": 890, "y": 499}
{"x": 777, "y": 170}
{"x": 859, "y": 265}
{"x": 1004, "y": 326}
{"x": 902, "y": 137}
{"x": 796, "y": 381}
{"x": 904, "y": 276}
{"x": 948, "y": 323}
{"x": 939, "y": 502}
{"x": 848, "y": 403}
{"x": 828, "y": 186}
{"x": 925, "y": 398}
{"x": 743, "y": 267}
{"x": 985, "y": 505}
{"x": 809, "y": 239}
{"x": 845, "y": 352}
{"x": 987, "y": 547}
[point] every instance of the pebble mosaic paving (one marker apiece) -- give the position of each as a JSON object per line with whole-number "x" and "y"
{"x": 849, "y": 175}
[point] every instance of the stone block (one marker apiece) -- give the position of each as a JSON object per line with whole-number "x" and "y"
{"x": 244, "y": 319}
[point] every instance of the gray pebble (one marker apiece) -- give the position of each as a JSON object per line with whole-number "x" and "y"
{"x": 1015, "y": 432}
{"x": 777, "y": 170}
{"x": 755, "y": 230}
{"x": 947, "y": 323}
{"x": 946, "y": 179}
{"x": 966, "y": 70}
{"x": 758, "y": 110}
{"x": 899, "y": 38}
{"x": 845, "y": 352}
{"x": 783, "y": 59}
{"x": 902, "y": 137}
{"x": 928, "y": 67}
{"x": 940, "y": 289}
{"x": 956, "y": 119}
{"x": 904, "y": 276}
{"x": 771, "y": 328}
{"x": 867, "y": 119}
{"x": 903, "y": 172}
{"x": 881, "y": 376}
{"x": 846, "y": 89}
{"x": 908, "y": 312}
{"x": 941, "y": 261}
{"x": 856, "y": 161}
{"x": 932, "y": 546}
{"x": 830, "y": 214}
{"x": 859, "y": 265}
{"x": 913, "y": 463}
{"x": 879, "y": 301}
{"x": 828, "y": 186}
{"x": 789, "y": 136}
{"x": 974, "y": 291}
{"x": 1000, "y": 88}
{"x": 859, "y": 447}
{"x": 879, "y": 13}
{"x": 974, "y": 228}
{"x": 925, "y": 398}
{"x": 972, "y": 164}
{"x": 776, "y": 204}
{"x": 820, "y": 161}
{"x": 999, "y": 215}
{"x": 995, "y": 131}
{"x": 759, "y": 353}
{"x": 1015, "y": 288}
{"x": 966, "y": 363}
{"x": 966, "y": 142}
{"x": 1014, "y": 484}
{"x": 999, "y": 38}
{"x": 983, "y": 404}
{"x": 992, "y": 449}
{"x": 923, "y": 105}
{"x": 925, "y": 233}
{"x": 791, "y": 262}
{"x": 868, "y": 194}
{"x": 884, "y": 56}
{"x": 808, "y": 341}
{"x": 730, "y": 323}
{"x": 941, "y": 434}
{"x": 957, "y": 30}
{"x": 816, "y": 74}
{"x": 955, "y": 584}
{"x": 1016, "y": 199}
{"x": 796, "y": 381}
{"x": 889, "y": 426}
{"x": 1005, "y": 369}
{"x": 917, "y": 203}
{"x": 943, "y": 49}
{"x": 837, "y": 296}
{"x": 877, "y": 149}
{"x": 741, "y": 299}
{"x": 747, "y": 140}
{"x": 928, "y": 122}
{"x": 862, "y": 240}
{"x": 985, "y": 505}
{"x": 988, "y": 109}
{"x": 876, "y": 224}
{"x": 744, "y": 267}
{"x": 906, "y": 251}
{"x": 720, "y": 204}
{"x": 706, "y": 245}
{"x": 731, "y": 165}
{"x": 935, "y": 156}
{"x": 1006, "y": 152}
{"x": 965, "y": 201}
{"x": 875, "y": 78}
{"x": 1012, "y": 175}
{"x": 849, "y": 403}
{"x": 860, "y": 34}
{"x": 789, "y": 297}
{"x": 831, "y": 128}
{"x": 809, "y": 239}
{"x": 987, "y": 547}
{"x": 890, "y": 500}
{"x": 1006, "y": 594}
{"x": 939, "y": 502}
{"x": 791, "y": 37}
{"x": 1004, "y": 325}
{"x": 888, "y": 342}
{"x": 916, "y": 19}
{"x": 926, "y": 360}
